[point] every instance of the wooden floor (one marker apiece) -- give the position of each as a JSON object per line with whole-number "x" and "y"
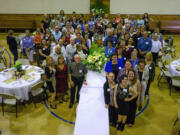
{"x": 157, "y": 119}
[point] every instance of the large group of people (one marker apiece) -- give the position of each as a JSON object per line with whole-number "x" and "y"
{"x": 61, "y": 43}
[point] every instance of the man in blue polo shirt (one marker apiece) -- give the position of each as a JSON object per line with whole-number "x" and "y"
{"x": 144, "y": 45}
{"x": 56, "y": 33}
{"x": 112, "y": 38}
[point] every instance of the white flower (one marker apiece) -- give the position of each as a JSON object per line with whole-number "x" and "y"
{"x": 100, "y": 63}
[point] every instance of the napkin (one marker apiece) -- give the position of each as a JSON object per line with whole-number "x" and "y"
{"x": 30, "y": 70}
{"x": 10, "y": 80}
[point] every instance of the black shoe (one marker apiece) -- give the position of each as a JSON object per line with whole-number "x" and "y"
{"x": 61, "y": 101}
{"x": 56, "y": 98}
{"x": 122, "y": 126}
{"x": 140, "y": 108}
{"x": 113, "y": 124}
{"x": 53, "y": 106}
{"x": 119, "y": 125}
{"x": 70, "y": 105}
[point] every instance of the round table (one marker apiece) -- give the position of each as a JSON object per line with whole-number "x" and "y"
{"x": 174, "y": 68}
{"x": 20, "y": 87}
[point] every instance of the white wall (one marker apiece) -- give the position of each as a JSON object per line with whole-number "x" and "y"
{"x": 141, "y": 6}
{"x": 44, "y": 6}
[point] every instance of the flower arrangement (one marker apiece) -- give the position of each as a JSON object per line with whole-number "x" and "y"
{"x": 97, "y": 11}
{"x": 18, "y": 72}
{"x": 97, "y": 58}
{"x": 99, "y": 7}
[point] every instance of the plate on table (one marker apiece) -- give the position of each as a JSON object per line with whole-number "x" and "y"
{"x": 26, "y": 77}
{"x": 31, "y": 79}
{"x": 40, "y": 71}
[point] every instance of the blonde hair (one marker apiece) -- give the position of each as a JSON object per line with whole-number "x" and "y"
{"x": 149, "y": 56}
{"x": 47, "y": 60}
{"x": 78, "y": 46}
{"x": 60, "y": 57}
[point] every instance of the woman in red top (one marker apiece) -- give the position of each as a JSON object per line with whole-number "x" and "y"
{"x": 61, "y": 78}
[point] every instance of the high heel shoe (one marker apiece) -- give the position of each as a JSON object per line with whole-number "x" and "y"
{"x": 119, "y": 126}
{"x": 53, "y": 106}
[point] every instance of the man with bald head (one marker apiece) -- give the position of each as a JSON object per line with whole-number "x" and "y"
{"x": 56, "y": 33}
{"x": 77, "y": 76}
{"x": 112, "y": 38}
{"x": 56, "y": 54}
{"x": 144, "y": 45}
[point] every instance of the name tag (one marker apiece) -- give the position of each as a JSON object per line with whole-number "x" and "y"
{"x": 108, "y": 90}
{"x": 80, "y": 71}
{"x": 119, "y": 68}
{"x": 147, "y": 43}
{"x": 125, "y": 90}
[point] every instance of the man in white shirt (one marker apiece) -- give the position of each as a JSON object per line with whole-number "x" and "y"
{"x": 156, "y": 47}
{"x": 63, "y": 49}
{"x": 56, "y": 54}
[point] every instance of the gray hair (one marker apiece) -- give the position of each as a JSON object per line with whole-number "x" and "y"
{"x": 134, "y": 54}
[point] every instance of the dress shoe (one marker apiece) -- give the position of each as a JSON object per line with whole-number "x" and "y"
{"x": 70, "y": 105}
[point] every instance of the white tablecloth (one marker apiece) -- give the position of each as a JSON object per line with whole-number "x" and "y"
{"x": 20, "y": 87}
{"x": 91, "y": 114}
{"x": 173, "y": 66}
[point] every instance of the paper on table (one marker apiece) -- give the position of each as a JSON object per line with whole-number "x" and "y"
{"x": 10, "y": 80}
{"x": 30, "y": 70}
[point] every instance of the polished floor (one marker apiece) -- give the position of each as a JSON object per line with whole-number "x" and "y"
{"x": 157, "y": 119}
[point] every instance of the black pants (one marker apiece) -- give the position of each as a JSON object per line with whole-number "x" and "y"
{"x": 77, "y": 83}
{"x": 15, "y": 54}
{"x": 113, "y": 115}
{"x": 155, "y": 56}
{"x": 147, "y": 88}
{"x": 37, "y": 47}
{"x": 132, "y": 112}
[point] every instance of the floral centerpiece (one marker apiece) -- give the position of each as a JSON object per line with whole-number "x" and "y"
{"x": 97, "y": 58}
{"x": 99, "y": 12}
{"x": 99, "y": 7}
{"x": 18, "y": 72}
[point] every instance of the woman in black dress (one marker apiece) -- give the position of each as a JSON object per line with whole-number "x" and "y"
{"x": 50, "y": 73}
{"x": 44, "y": 50}
{"x": 122, "y": 99}
{"x": 45, "y": 23}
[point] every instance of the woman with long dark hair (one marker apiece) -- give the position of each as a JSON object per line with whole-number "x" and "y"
{"x": 121, "y": 100}
{"x": 136, "y": 85}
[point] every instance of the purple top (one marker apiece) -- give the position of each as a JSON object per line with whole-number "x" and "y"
{"x": 28, "y": 42}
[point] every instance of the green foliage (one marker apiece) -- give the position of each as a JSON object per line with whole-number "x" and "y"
{"x": 99, "y": 5}
{"x": 18, "y": 66}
